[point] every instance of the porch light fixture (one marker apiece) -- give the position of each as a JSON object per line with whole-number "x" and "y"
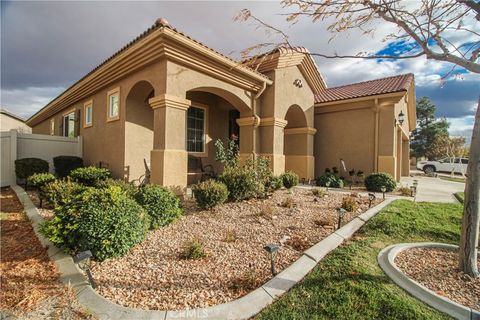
{"x": 383, "y": 189}
{"x": 371, "y": 197}
{"x": 298, "y": 83}
{"x": 340, "y": 212}
{"x": 83, "y": 261}
{"x": 401, "y": 117}
{"x": 272, "y": 250}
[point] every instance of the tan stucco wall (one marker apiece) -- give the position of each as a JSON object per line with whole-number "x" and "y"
{"x": 8, "y": 123}
{"x": 104, "y": 141}
{"x": 347, "y": 135}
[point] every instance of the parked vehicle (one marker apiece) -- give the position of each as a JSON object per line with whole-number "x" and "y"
{"x": 457, "y": 165}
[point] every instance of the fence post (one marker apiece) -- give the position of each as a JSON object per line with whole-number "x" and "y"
{"x": 13, "y": 156}
{"x": 80, "y": 146}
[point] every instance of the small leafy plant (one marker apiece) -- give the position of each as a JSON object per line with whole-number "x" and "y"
{"x": 210, "y": 193}
{"x": 193, "y": 249}
{"x": 289, "y": 202}
{"x": 375, "y": 181}
{"x": 317, "y": 192}
{"x": 290, "y": 179}
{"x": 90, "y": 176}
{"x": 349, "y": 204}
{"x": 230, "y": 236}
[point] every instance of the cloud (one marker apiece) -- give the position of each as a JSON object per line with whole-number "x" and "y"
{"x": 47, "y": 46}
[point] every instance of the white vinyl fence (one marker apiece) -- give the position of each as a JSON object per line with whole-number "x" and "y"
{"x": 14, "y": 145}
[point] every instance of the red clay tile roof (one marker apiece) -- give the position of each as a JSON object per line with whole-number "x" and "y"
{"x": 367, "y": 88}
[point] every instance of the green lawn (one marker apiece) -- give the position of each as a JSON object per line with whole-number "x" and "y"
{"x": 460, "y": 196}
{"x": 349, "y": 284}
{"x": 454, "y": 179}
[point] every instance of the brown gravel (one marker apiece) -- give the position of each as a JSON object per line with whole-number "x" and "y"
{"x": 153, "y": 276}
{"x": 437, "y": 269}
{"x": 29, "y": 280}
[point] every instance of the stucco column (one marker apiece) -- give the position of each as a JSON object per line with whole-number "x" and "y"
{"x": 247, "y": 127}
{"x": 405, "y": 158}
{"x": 399, "y": 162}
{"x": 169, "y": 158}
{"x": 272, "y": 142}
{"x": 299, "y": 151}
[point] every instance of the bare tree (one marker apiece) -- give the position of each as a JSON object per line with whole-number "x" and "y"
{"x": 429, "y": 28}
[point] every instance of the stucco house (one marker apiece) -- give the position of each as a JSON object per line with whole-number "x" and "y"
{"x": 11, "y": 121}
{"x": 166, "y": 98}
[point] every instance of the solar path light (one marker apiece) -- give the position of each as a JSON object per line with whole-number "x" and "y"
{"x": 272, "y": 250}
{"x": 371, "y": 198}
{"x": 340, "y": 212}
{"x": 83, "y": 261}
{"x": 383, "y": 189}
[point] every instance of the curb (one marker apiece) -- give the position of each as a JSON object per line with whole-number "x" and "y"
{"x": 242, "y": 308}
{"x": 386, "y": 260}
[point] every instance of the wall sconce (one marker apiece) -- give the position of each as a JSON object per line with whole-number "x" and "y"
{"x": 83, "y": 261}
{"x": 272, "y": 250}
{"x": 298, "y": 83}
{"x": 401, "y": 117}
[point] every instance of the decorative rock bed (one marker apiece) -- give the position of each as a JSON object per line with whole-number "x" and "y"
{"x": 438, "y": 281}
{"x": 241, "y": 308}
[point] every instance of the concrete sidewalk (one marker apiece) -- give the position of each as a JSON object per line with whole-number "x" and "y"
{"x": 434, "y": 189}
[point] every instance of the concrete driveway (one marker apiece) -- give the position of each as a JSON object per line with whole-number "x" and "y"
{"x": 434, "y": 189}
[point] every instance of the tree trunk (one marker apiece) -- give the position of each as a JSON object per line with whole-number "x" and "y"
{"x": 471, "y": 218}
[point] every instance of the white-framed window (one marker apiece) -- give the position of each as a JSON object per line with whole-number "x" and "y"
{"x": 113, "y": 104}
{"x": 88, "y": 114}
{"x": 196, "y": 127}
{"x": 52, "y": 126}
{"x": 69, "y": 125}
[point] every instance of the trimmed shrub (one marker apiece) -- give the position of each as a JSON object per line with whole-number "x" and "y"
{"x": 90, "y": 176}
{"x": 274, "y": 183}
{"x": 210, "y": 193}
{"x": 335, "y": 182}
{"x": 64, "y": 164}
{"x": 39, "y": 180}
{"x": 375, "y": 181}
{"x": 127, "y": 187}
{"x": 26, "y": 167}
{"x": 241, "y": 183}
{"x": 161, "y": 204}
{"x": 105, "y": 221}
{"x": 289, "y": 179}
{"x": 60, "y": 193}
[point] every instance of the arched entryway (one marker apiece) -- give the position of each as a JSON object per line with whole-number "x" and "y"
{"x": 138, "y": 129}
{"x": 298, "y": 143}
{"x": 212, "y": 115}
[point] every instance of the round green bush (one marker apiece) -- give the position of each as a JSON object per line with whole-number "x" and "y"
{"x": 241, "y": 183}
{"x": 60, "y": 193}
{"x": 110, "y": 223}
{"x": 161, "y": 204}
{"x": 289, "y": 179}
{"x": 375, "y": 181}
{"x": 127, "y": 187}
{"x": 210, "y": 193}
{"x": 335, "y": 182}
{"x": 64, "y": 164}
{"x": 26, "y": 167}
{"x": 90, "y": 176}
{"x": 39, "y": 180}
{"x": 274, "y": 183}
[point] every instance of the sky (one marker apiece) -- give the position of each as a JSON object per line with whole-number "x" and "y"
{"x": 48, "y": 45}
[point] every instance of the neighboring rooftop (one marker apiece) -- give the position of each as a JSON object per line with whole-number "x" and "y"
{"x": 367, "y": 88}
{"x": 11, "y": 114}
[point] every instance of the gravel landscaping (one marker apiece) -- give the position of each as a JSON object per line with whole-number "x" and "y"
{"x": 30, "y": 287}
{"x": 155, "y": 276}
{"x": 437, "y": 269}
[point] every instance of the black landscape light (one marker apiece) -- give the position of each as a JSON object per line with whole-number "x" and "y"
{"x": 383, "y": 189}
{"x": 272, "y": 250}
{"x": 401, "y": 117}
{"x": 371, "y": 197}
{"x": 83, "y": 261}
{"x": 340, "y": 212}
{"x": 412, "y": 191}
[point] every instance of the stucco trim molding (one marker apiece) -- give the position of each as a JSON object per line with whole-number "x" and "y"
{"x": 272, "y": 121}
{"x": 248, "y": 121}
{"x": 304, "y": 130}
{"x": 166, "y": 100}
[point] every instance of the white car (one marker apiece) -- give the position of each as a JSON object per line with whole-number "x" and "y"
{"x": 457, "y": 165}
